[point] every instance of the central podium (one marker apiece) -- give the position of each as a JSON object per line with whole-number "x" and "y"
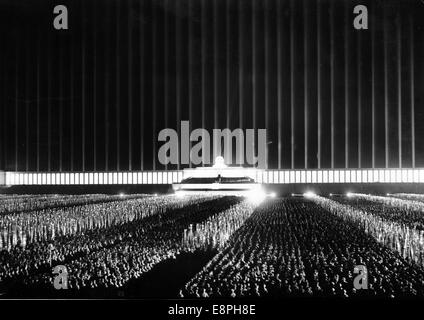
{"x": 219, "y": 177}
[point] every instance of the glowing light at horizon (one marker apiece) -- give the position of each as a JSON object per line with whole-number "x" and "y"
{"x": 309, "y": 194}
{"x": 256, "y": 196}
{"x": 180, "y": 194}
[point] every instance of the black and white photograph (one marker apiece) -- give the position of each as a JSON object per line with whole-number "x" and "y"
{"x": 212, "y": 155}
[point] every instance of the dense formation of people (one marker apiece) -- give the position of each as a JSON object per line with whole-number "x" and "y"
{"x": 409, "y": 196}
{"x": 47, "y": 224}
{"x": 214, "y": 232}
{"x": 18, "y": 204}
{"x": 408, "y": 212}
{"x": 40, "y": 255}
{"x": 282, "y": 247}
{"x": 394, "y": 227}
{"x": 296, "y": 247}
{"x": 112, "y": 257}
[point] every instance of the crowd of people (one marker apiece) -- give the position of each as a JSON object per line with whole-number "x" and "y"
{"x": 47, "y": 224}
{"x": 406, "y": 211}
{"x": 215, "y": 232}
{"x": 394, "y": 227}
{"x": 17, "y": 204}
{"x": 40, "y": 255}
{"x": 112, "y": 257}
{"x": 282, "y": 247}
{"x": 295, "y": 247}
{"x": 409, "y": 196}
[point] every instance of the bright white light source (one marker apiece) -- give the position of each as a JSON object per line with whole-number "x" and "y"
{"x": 292, "y": 194}
{"x": 155, "y": 194}
{"x": 309, "y": 194}
{"x": 272, "y": 194}
{"x": 331, "y": 194}
{"x": 122, "y": 194}
{"x": 349, "y": 194}
{"x": 219, "y": 163}
{"x": 387, "y": 194}
{"x": 256, "y": 197}
{"x": 179, "y": 194}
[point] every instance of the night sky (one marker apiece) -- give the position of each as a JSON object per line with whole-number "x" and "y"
{"x": 95, "y": 97}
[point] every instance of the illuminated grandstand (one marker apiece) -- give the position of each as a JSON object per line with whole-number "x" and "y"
{"x": 312, "y": 176}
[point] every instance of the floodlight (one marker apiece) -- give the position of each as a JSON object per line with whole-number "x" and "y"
{"x": 309, "y": 194}
{"x": 180, "y": 194}
{"x": 256, "y": 197}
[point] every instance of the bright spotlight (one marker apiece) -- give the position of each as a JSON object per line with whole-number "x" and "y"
{"x": 219, "y": 163}
{"x": 256, "y": 197}
{"x": 122, "y": 194}
{"x": 388, "y": 194}
{"x": 155, "y": 194}
{"x": 309, "y": 194}
{"x": 292, "y": 194}
{"x": 272, "y": 194}
{"x": 349, "y": 194}
{"x": 180, "y": 194}
{"x": 331, "y": 194}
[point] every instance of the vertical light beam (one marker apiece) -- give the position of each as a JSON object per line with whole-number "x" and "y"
{"x": 142, "y": 90}
{"x": 305, "y": 78}
{"x": 82, "y": 88}
{"x": 241, "y": 61}
{"x": 386, "y": 93}
{"x": 346, "y": 58}
{"x": 49, "y": 108}
{"x": 216, "y": 61}
{"x": 190, "y": 67}
{"x": 72, "y": 92}
{"x": 266, "y": 76}
{"x": 204, "y": 55}
{"x": 154, "y": 82}
{"x": 227, "y": 65}
{"x": 117, "y": 89}
{"x": 412, "y": 85}
{"x": 107, "y": 90}
{"x": 130, "y": 86}
{"x": 292, "y": 100}
{"x": 38, "y": 99}
{"x": 254, "y": 66}
{"x": 399, "y": 83}
{"x": 27, "y": 105}
{"x": 373, "y": 92}
{"x": 359, "y": 70}
{"x": 94, "y": 86}
{"x": 279, "y": 83}
{"x": 178, "y": 69}
{"x": 165, "y": 63}
{"x": 61, "y": 111}
{"x": 16, "y": 106}
{"x": 319, "y": 107}
{"x": 332, "y": 89}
